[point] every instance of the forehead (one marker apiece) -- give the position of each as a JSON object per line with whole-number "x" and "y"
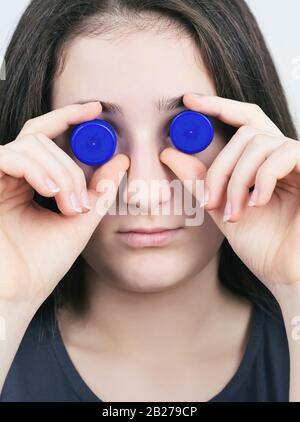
{"x": 143, "y": 66}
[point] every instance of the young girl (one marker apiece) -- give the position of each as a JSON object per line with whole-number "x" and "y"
{"x": 97, "y": 306}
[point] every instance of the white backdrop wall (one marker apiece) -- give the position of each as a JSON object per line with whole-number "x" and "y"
{"x": 279, "y": 21}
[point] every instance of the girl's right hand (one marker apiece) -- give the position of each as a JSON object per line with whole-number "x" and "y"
{"x": 38, "y": 246}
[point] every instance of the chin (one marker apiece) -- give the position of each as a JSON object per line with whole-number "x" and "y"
{"x": 151, "y": 271}
{"x": 146, "y": 284}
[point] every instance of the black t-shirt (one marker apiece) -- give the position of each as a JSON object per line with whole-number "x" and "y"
{"x": 42, "y": 370}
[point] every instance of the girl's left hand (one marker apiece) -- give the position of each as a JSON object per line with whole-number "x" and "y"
{"x": 265, "y": 236}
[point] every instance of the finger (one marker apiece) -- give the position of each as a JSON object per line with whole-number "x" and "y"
{"x": 119, "y": 164}
{"x": 243, "y": 175}
{"x": 221, "y": 169}
{"x": 58, "y": 121}
{"x": 187, "y": 168}
{"x": 278, "y": 165}
{"x": 15, "y": 164}
{"x": 232, "y": 112}
{"x": 114, "y": 171}
{"x": 78, "y": 176}
{"x": 70, "y": 181}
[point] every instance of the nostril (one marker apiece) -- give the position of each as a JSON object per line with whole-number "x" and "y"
{"x": 145, "y": 194}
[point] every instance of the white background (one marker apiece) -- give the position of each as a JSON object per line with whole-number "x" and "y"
{"x": 278, "y": 20}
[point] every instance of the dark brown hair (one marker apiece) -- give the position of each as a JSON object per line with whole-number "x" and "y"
{"x": 233, "y": 50}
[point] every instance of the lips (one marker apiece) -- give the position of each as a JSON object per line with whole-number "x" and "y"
{"x": 148, "y": 230}
{"x": 148, "y": 237}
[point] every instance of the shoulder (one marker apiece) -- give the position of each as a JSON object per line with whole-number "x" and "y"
{"x": 274, "y": 335}
{"x": 275, "y": 345}
{"x": 36, "y": 373}
{"x": 263, "y": 374}
{"x": 269, "y": 373}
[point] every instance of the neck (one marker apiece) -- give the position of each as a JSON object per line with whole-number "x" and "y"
{"x": 140, "y": 324}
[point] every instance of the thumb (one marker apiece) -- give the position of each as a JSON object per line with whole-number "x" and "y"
{"x": 190, "y": 169}
{"x": 102, "y": 190}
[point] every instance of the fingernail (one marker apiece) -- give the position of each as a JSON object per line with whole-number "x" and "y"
{"x": 85, "y": 200}
{"x": 197, "y": 95}
{"x": 227, "y": 212}
{"x": 89, "y": 105}
{"x": 253, "y": 198}
{"x": 52, "y": 185}
{"x": 75, "y": 204}
{"x": 206, "y": 199}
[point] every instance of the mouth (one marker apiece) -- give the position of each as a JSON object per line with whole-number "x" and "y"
{"x": 149, "y": 237}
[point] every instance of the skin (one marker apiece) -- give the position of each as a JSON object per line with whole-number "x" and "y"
{"x": 145, "y": 304}
{"x": 177, "y": 302}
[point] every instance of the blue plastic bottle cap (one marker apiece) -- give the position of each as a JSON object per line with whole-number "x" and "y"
{"x": 94, "y": 142}
{"x": 191, "y": 132}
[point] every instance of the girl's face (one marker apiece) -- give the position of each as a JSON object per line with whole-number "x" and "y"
{"x": 135, "y": 72}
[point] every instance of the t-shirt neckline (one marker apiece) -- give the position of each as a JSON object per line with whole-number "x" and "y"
{"x": 227, "y": 393}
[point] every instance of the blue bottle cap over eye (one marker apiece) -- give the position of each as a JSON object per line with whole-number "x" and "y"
{"x": 191, "y": 132}
{"x": 94, "y": 142}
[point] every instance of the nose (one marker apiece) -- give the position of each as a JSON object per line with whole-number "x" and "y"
{"x": 147, "y": 188}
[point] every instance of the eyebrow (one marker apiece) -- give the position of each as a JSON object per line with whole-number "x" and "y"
{"x": 163, "y": 105}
